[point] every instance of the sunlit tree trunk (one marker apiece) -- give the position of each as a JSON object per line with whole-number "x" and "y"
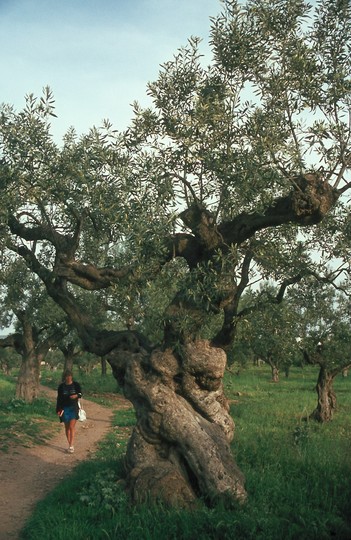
{"x": 326, "y": 404}
{"x": 180, "y": 447}
{"x": 68, "y": 354}
{"x": 275, "y": 374}
{"x": 27, "y": 387}
{"x": 274, "y": 369}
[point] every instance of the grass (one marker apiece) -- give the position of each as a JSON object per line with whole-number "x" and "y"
{"x": 298, "y": 472}
{"x": 297, "y": 475}
{"x": 22, "y": 423}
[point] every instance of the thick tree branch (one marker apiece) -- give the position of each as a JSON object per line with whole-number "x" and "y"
{"x": 65, "y": 244}
{"x": 285, "y": 284}
{"x": 90, "y": 277}
{"x": 346, "y": 187}
{"x": 95, "y": 341}
{"x": 307, "y": 204}
{"x": 39, "y": 232}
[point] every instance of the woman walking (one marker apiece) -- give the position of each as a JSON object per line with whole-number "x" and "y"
{"x": 67, "y": 406}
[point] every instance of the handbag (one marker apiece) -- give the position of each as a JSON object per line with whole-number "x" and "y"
{"x": 82, "y": 415}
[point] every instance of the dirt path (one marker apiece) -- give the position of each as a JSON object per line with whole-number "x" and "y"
{"x": 29, "y": 474}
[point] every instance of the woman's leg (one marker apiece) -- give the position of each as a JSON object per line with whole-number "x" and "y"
{"x": 71, "y": 427}
{"x": 67, "y": 432}
{"x": 70, "y": 431}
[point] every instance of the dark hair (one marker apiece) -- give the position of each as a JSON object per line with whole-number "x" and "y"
{"x": 67, "y": 373}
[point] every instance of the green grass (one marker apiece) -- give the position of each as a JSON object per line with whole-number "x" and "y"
{"x": 298, "y": 471}
{"x": 297, "y": 475}
{"x": 22, "y": 423}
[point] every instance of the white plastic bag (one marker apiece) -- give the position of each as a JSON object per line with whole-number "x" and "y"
{"x": 82, "y": 415}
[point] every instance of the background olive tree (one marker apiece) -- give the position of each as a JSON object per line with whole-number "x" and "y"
{"x": 33, "y": 323}
{"x": 324, "y": 337}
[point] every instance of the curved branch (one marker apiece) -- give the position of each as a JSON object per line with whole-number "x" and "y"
{"x": 344, "y": 188}
{"x": 307, "y": 204}
{"x": 226, "y": 335}
{"x": 40, "y": 232}
{"x": 64, "y": 243}
{"x": 285, "y": 284}
{"x": 188, "y": 186}
{"x": 88, "y": 276}
{"x": 95, "y": 341}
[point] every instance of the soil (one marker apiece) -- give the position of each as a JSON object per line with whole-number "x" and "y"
{"x": 29, "y": 474}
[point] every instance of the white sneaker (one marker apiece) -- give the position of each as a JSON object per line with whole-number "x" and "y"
{"x": 71, "y": 450}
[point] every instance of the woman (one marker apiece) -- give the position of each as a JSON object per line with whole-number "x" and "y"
{"x": 67, "y": 406}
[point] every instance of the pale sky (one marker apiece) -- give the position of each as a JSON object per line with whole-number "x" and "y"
{"x": 96, "y": 55}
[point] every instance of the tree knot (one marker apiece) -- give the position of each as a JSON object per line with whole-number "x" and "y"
{"x": 312, "y": 198}
{"x": 203, "y": 225}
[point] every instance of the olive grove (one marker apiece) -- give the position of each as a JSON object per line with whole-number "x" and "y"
{"x": 236, "y": 170}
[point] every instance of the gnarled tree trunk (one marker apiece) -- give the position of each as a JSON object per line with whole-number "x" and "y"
{"x": 69, "y": 354}
{"x": 180, "y": 447}
{"x": 103, "y": 366}
{"x": 27, "y": 387}
{"x": 326, "y": 396}
{"x": 275, "y": 373}
{"x": 32, "y": 351}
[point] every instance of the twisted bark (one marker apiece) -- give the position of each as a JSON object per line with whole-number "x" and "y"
{"x": 180, "y": 448}
{"x": 326, "y": 403}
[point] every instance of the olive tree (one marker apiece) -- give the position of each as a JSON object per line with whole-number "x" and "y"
{"x": 210, "y": 185}
{"x": 33, "y": 324}
{"x": 270, "y": 331}
{"x": 324, "y": 338}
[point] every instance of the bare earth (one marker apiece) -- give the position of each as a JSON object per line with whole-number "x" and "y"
{"x": 29, "y": 474}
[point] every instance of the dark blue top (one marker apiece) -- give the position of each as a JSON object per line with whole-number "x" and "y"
{"x": 64, "y": 392}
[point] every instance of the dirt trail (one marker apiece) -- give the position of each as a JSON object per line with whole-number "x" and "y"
{"x": 29, "y": 474}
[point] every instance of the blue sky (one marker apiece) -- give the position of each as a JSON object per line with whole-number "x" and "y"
{"x": 96, "y": 55}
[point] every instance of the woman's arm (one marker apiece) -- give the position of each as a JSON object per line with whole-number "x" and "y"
{"x": 78, "y": 389}
{"x": 59, "y": 405}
